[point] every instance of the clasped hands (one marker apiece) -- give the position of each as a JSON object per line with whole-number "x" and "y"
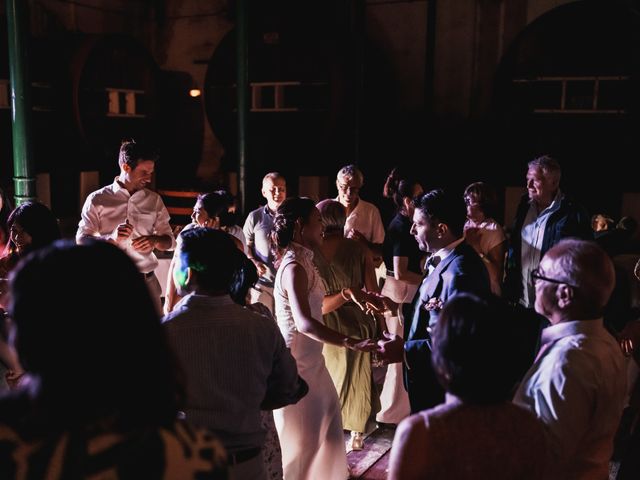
{"x": 142, "y": 244}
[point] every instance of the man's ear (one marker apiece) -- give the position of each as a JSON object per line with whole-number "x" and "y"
{"x": 126, "y": 168}
{"x": 564, "y": 295}
{"x": 442, "y": 229}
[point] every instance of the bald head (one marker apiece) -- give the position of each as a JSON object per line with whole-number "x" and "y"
{"x": 586, "y": 266}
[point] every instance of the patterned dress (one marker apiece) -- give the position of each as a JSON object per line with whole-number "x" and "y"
{"x": 179, "y": 452}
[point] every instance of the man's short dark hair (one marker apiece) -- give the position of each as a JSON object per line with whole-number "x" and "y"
{"x": 473, "y": 348}
{"x": 212, "y": 256}
{"x": 441, "y": 207}
{"x": 132, "y": 153}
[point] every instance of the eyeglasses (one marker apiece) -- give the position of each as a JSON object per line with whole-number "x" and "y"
{"x": 345, "y": 188}
{"x": 535, "y": 276}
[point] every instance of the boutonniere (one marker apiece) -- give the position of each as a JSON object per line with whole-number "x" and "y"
{"x": 434, "y": 304}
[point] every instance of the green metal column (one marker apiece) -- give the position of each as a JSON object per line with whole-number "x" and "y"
{"x": 242, "y": 92}
{"x": 23, "y": 171}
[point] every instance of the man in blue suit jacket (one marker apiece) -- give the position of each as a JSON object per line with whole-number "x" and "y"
{"x": 454, "y": 267}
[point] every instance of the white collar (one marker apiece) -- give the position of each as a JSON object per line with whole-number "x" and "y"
{"x": 444, "y": 252}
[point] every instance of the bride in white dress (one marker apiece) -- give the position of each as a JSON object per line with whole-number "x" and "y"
{"x": 310, "y": 431}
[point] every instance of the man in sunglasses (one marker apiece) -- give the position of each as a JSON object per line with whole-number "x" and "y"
{"x": 577, "y": 383}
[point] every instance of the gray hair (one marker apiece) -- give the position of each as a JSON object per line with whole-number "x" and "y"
{"x": 333, "y": 215}
{"x": 273, "y": 176}
{"x": 548, "y": 165}
{"x": 587, "y": 266}
{"x": 351, "y": 171}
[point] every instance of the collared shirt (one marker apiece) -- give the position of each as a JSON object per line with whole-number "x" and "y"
{"x": 257, "y": 230}
{"x": 532, "y": 237}
{"x": 444, "y": 252}
{"x": 366, "y": 219}
{"x": 112, "y": 205}
{"x": 577, "y": 388}
{"x": 233, "y": 359}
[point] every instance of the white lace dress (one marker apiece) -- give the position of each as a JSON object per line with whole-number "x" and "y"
{"x": 310, "y": 431}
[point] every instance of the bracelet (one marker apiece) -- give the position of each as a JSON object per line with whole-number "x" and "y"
{"x": 346, "y": 299}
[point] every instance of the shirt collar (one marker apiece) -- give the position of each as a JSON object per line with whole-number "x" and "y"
{"x": 194, "y": 299}
{"x": 117, "y": 186}
{"x": 267, "y": 211}
{"x": 575, "y": 327}
{"x": 446, "y": 251}
{"x": 555, "y": 205}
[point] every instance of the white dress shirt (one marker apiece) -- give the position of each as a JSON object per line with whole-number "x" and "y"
{"x": 532, "y": 237}
{"x": 577, "y": 388}
{"x": 112, "y": 205}
{"x": 366, "y": 219}
{"x": 433, "y": 261}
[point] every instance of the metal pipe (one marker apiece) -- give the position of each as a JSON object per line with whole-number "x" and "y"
{"x": 242, "y": 92}
{"x": 23, "y": 171}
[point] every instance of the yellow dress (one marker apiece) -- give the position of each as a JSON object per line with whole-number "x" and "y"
{"x": 350, "y": 370}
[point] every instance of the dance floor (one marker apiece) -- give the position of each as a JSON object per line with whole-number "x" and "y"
{"x": 372, "y": 462}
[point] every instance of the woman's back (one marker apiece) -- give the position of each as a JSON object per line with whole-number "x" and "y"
{"x": 456, "y": 440}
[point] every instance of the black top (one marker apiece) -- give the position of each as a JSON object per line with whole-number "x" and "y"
{"x": 399, "y": 242}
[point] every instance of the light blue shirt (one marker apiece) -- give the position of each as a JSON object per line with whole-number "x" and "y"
{"x": 577, "y": 387}
{"x": 532, "y": 238}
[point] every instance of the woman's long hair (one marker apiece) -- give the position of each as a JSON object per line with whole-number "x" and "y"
{"x": 38, "y": 221}
{"x": 284, "y": 223}
{"x": 397, "y": 187}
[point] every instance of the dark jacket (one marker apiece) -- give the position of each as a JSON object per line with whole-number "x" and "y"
{"x": 462, "y": 271}
{"x": 570, "y": 220}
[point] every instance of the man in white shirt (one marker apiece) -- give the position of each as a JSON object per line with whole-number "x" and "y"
{"x": 257, "y": 230}
{"x": 577, "y": 384}
{"x": 364, "y": 222}
{"x": 129, "y": 215}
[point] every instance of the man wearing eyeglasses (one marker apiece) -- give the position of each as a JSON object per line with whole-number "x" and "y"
{"x": 577, "y": 384}
{"x": 364, "y": 222}
{"x": 544, "y": 217}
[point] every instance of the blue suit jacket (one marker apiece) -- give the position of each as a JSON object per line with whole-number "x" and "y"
{"x": 462, "y": 271}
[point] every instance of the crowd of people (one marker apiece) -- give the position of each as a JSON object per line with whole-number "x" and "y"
{"x": 506, "y": 353}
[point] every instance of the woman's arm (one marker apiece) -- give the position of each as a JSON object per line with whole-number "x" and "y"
{"x": 295, "y": 283}
{"x": 494, "y": 260}
{"x": 171, "y": 295}
{"x": 401, "y": 271}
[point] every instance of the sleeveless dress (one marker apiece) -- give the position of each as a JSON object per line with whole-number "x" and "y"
{"x": 311, "y": 430}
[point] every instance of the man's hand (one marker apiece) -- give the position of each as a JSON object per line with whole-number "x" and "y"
{"x": 145, "y": 243}
{"x": 367, "y": 345}
{"x": 122, "y": 232}
{"x": 390, "y": 348}
{"x": 354, "y": 234}
{"x": 260, "y": 267}
{"x": 379, "y": 303}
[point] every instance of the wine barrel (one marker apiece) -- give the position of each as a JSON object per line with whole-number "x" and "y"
{"x": 180, "y": 204}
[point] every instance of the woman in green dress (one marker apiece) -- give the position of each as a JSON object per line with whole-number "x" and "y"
{"x": 347, "y": 271}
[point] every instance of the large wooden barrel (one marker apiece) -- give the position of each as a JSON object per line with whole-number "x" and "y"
{"x": 180, "y": 204}
{"x": 89, "y": 93}
{"x": 300, "y": 120}
{"x": 570, "y": 85}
